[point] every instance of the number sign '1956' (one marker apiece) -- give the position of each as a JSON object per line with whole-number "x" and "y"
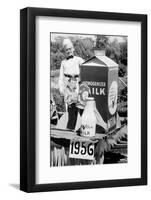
{"x": 81, "y": 150}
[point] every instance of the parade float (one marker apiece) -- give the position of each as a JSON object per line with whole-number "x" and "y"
{"x": 100, "y": 133}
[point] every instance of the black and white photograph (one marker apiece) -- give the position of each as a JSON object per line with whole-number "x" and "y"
{"x": 88, "y": 99}
{"x": 75, "y": 79}
{"x": 83, "y": 99}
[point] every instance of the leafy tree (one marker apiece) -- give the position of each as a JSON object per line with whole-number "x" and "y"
{"x": 123, "y": 53}
{"x": 84, "y": 48}
{"x": 101, "y": 42}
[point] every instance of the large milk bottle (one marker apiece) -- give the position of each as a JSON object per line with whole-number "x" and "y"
{"x": 88, "y": 126}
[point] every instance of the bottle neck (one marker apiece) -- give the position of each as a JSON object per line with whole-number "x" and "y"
{"x": 89, "y": 114}
{"x": 90, "y": 105}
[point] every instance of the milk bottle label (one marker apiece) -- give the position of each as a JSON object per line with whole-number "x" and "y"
{"x": 88, "y": 130}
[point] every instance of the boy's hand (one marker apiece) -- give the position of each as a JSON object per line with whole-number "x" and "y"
{"x": 74, "y": 98}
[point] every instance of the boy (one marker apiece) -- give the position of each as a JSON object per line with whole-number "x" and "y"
{"x": 71, "y": 98}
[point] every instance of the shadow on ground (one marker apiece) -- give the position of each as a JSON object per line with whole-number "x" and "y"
{"x": 15, "y": 185}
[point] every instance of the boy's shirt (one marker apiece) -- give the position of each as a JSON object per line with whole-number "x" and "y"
{"x": 71, "y": 95}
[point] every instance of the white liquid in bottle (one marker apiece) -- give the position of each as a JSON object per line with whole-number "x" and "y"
{"x": 88, "y": 127}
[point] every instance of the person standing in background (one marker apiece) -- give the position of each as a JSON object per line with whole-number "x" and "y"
{"x": 69, "y": 70}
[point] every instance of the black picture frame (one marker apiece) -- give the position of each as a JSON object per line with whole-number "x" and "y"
{"x": 28, "y": 99}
